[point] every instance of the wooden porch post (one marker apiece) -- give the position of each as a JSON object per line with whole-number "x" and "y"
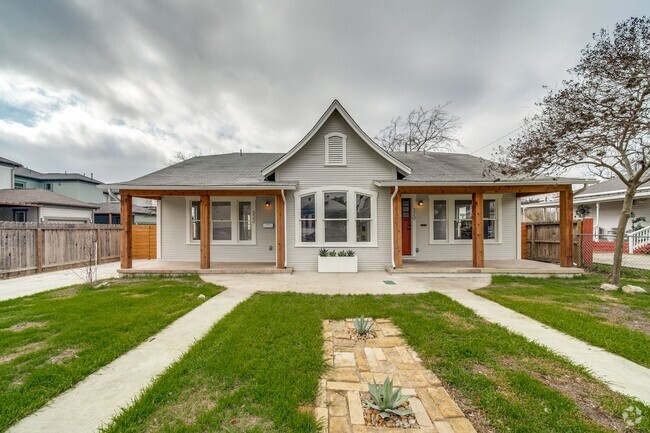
{"x": 279, "y": 232}
{"x": 205, "y": 231}
{"x": 397, "y": 229}
{"x": 566, "y": 228}
{"x": 126, "y": 216}
{"x": 477, "y": 230}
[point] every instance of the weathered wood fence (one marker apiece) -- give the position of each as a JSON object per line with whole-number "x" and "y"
{"x": 541, "y": 241}
{"x": 27, "y": 248}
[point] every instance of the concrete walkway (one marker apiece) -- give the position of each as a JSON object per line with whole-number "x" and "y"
{"x": 98, "y": 398}
{"x": 618, "y": 373}
{"x": 30, "y": 284}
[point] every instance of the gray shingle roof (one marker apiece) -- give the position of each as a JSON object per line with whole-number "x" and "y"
{"x": 230, "y": 169}
{"x": 607, "y": 187}
{"x": 26, "y": 172}
{"x": 114, "y": 208}
{"x": 40, "y": 197}
{"x": 5, "y": 161}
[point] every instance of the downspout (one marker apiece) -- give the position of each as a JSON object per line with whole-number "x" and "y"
{"x": 392, "y": 228}
{"x": 284, "y": 203}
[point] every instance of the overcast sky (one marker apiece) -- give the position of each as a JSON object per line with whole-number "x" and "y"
{"x": 117, "y": 87}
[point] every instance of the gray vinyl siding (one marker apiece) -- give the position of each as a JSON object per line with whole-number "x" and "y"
{"x": 174, "y": 226}
{"x": 364, "y": 165}
{"x": 6, "y": 177}
{"x": 611, "y": 211}
{"x": 505, "y": 250}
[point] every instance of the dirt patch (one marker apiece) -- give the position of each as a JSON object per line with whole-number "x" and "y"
{"x": 63, "y": 356}
{"x": 187, "y": 407}
{"x": 626, "y": 316}
{"x": 64, "y": 293}
{"x": 22, "y": 350}
{"x": 26, "y": 325}
{"x": 472, "y": 413}
{"x": 458, "y": 321}
{"x": 583, "y": 391}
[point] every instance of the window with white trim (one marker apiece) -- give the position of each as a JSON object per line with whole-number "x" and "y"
{"x": 451, "y": 219}
{"x": 308, "y": 218}
{"x": 221, "y": 221}
{"x": 245, "y": 220}
{"x": 439, "y": 225}
{"x": 335, "y": 149}
{"x": 364, "y": 217}
{"x": 195, "y": 221}
{"x": 232, "y": 220}
{"x": 337, "y": 216}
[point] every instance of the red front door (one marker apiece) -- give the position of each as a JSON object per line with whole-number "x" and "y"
{"x": 406, "y": 226}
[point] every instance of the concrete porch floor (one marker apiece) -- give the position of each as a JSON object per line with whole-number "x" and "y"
{"x": 173, "y": 267}
{"x": 495, "y": 267}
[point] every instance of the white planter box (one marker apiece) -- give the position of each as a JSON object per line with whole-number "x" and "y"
{"x": 337, "y": 264}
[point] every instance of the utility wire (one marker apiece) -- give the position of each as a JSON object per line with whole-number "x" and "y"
{"x": 498, "y": 139}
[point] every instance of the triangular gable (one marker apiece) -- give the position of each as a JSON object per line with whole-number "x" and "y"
{"x": 336, "y": 105}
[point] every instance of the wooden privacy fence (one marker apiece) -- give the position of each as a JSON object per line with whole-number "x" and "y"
{"x": 541, "y": 241}
{"x": 27, "y": 248}
{"x": 144, "y": 241}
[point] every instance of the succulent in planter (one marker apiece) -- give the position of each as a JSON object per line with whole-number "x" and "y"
{"x": 387, "y": 399}
{"x": 349, "y": 253}
{"x": 341, "y": 253}
{"x": 362, "y": 325}
{"x": 323, "y": 252}
{"x": 332, "y": 253}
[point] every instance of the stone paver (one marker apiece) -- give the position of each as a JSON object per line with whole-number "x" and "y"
{"x": 620, "y": 374}
{"x": 356, "y": 363}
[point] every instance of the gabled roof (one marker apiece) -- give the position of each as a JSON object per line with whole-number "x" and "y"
{"x": 442, "y": 168}
{"x": 5, "y": 161}
{"x": 114, "y": 208}
{"x": 39, "y": 197}
{"x": 31, "y": 174}
{"x": 336, "y": 105}
{"x": 230, "y": 170}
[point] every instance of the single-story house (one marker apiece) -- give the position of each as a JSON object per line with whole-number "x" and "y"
{"x": 39, "y": 205}
{"x": 338, "y": 189}
{"x": 109, "y": 213}
{"x": 603, "y": 202}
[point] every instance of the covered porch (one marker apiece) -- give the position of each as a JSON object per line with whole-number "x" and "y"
{"x": 462, "y": 244}
{"x": 225, "y": 230}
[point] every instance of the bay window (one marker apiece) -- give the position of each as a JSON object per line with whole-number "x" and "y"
{"x": 336, "y": 216}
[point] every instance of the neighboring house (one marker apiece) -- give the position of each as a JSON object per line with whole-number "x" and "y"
{"x": 109, "y": 213}
{"x": 38, "y": 205}
{"x": 7, "y": 168}
{"x": 73, "y": 185}
{"x": 337, "y": 189}
{"x": 603, "y": 202}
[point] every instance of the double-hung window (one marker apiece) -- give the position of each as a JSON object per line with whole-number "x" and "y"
{"x": 462, "y": 219}
{"x": 439, "y": 220}
{"x": 364, "y": 218}
{"x": 195, "y": 221}
{"x": 232, "y": 220}
{"x": 308, "y": 218}
{"x": 245, "y": 220}
{"x": 221, "y": 221}
{"x": 451, "y": 219}
{"x": 336, "y": 216}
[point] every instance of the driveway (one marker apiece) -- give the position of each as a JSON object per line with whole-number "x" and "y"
{"x": 30, "y": 284}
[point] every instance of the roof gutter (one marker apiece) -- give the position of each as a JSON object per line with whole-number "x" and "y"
{"x": 568, "y": 181}
{"x": 273, "y": 187}
{"x": 392, "y": 229}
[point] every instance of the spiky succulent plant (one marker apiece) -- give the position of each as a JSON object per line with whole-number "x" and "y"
{"x": 362, "y": 325}
{"x": 386, "y": 399}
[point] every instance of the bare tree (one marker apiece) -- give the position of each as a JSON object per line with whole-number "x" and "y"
{"x": 422, "y": 130}
{"x": 599, "y": 118}
{"x": 182, "y": 156}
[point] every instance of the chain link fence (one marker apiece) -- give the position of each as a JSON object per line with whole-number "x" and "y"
{"x": 595, "y": 252}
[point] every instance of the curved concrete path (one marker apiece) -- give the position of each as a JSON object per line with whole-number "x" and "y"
{"x": 102, "y": 395}
{"x": 618, "y": 373}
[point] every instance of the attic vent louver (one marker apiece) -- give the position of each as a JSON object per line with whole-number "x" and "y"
{"x": 335, "y": 149}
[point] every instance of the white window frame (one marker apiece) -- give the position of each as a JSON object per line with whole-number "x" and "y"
{"x": 451, "y": 217}
{"x": 234, "y": 219}
{"x": 351, "y": 217}
{"x": 344, "y": 139}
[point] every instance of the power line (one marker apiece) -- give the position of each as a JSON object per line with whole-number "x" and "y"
{"x": 498, "y": 139}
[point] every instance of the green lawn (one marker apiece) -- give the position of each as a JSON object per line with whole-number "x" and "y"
{"x": 615, "y": 321}
{"x": 52, "y": 340}
{"x": 257, "y": 371}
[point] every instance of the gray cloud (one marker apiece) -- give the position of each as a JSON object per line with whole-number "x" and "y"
{"x": 119, "y": 87}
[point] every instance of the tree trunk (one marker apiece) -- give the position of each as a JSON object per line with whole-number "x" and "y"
{"x": 615, "y": 276}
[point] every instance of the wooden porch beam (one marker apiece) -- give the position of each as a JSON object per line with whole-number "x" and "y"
{"x": 485, "y": 189}
{"x": 126, "y": 218}
{"x": 397, "y": 229}
{"x": 279, "y": 232}
{"x": 477, "y": 230}
{"x": 566, "y": 229}
{"x": 204, "y": 215}
{"x": 223, "y": 192}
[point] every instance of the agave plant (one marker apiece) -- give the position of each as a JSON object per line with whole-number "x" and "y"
{"x": 323, "y": 252}
{"x": 349, "y": 253}
{"x": 362, "y": 325}
{"x": 341, "y": 253}
{"x": 387, "y": 399}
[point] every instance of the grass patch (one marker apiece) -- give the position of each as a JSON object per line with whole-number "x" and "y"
{"x": 52, "y": 340}
{"x": 616, "y": 321}
{"x": 257, "y": 370}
